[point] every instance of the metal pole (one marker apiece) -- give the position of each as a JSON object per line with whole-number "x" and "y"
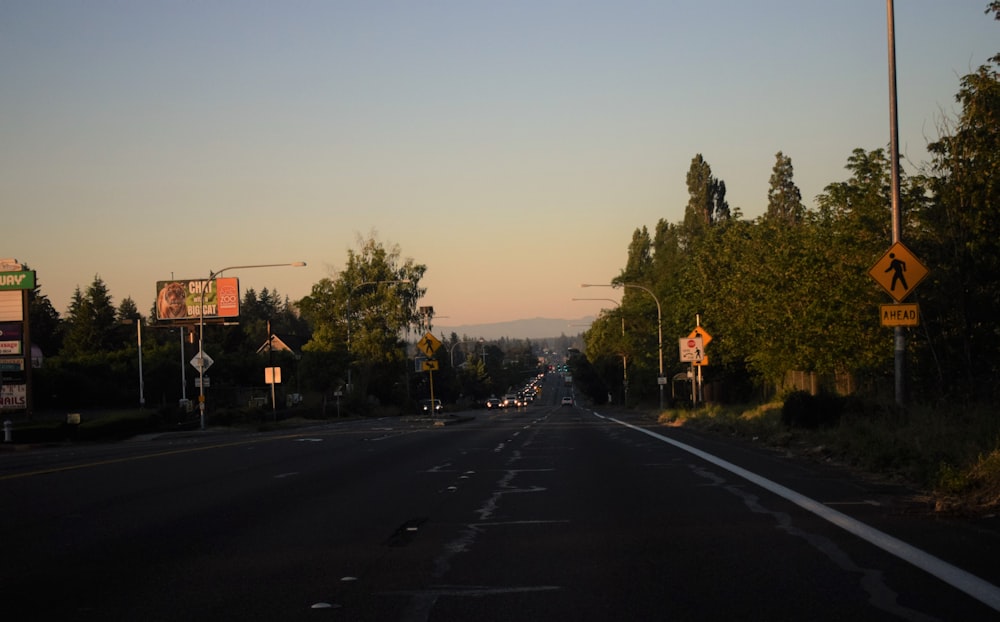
{"x": 897, "y": 228}
{"x": 659, "y": 325}
{"x": 270, "y": 362}
{"x": 183, "y": 369}
{"x": 138, "y": 338}
{"x": 201, "y": 325}
{"x": 659, "y": 333}
{"x": 201, "y": 351}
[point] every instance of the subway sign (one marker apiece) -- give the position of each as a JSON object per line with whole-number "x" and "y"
{"x": 17, "y": 280}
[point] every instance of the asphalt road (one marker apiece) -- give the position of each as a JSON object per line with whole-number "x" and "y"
{"x": 544, "y": 513}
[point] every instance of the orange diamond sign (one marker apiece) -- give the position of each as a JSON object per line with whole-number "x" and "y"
{"x": 898, "y": 271}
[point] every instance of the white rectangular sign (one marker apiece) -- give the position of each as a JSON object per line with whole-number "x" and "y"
{"x": 11, "y": 309}
{"x": 691, "y": 349}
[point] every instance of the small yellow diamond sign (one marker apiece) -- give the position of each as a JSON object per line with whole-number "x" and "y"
{"x": 898, "y": 271}
{"x": 429, "y": 344}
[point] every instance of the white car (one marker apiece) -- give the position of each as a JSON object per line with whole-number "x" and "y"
{"x": 567, "y": 401}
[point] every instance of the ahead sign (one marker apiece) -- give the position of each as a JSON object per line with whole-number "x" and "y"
{"x": 900, "y": 315}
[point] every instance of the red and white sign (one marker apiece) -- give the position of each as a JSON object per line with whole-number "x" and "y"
{"x": 13, "y": 396}
{"x": 691, "y": 349}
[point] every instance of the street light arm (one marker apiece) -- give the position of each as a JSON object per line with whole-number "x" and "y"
{"x": 659, "y": 322}
{"x": 212, "y": 275}
{"x": 297, "y": 264}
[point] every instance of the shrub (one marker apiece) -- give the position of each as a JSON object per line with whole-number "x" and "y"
{"x": 804, "y": 410}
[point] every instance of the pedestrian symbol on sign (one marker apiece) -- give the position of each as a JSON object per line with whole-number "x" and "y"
{"x": 898, "y": 272}
{"x": 897, "y": 266}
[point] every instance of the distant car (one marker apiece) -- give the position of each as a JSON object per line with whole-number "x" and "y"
{"x": 567, "y": 401}
{"x": 425, "y": 406}
{"x": 493, "y": 402}
{"x": 509, "y": 401}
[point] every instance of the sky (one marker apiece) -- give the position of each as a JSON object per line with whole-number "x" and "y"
{"x": 512, "y": 147}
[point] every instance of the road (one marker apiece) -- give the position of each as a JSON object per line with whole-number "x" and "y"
{"x": 545, "y": 513}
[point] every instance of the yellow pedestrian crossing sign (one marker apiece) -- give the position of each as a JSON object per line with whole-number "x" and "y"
{"x": 898, "y": 271}
{"x": 428, "y": 344}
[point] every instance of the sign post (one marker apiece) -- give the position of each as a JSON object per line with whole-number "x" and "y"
{"x": 429, "y": 344}
{"x": 898, "y": 271}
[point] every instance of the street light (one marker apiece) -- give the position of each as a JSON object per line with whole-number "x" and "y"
{"x": 350, "y": 293}
{"x": 451, "y": 349}
{"x": 212, "y": 275}
{"x": 624, "y": 355}
{"x": 659, "y": 325}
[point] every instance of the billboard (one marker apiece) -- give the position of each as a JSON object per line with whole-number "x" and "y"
{"x": 181, "y": 300}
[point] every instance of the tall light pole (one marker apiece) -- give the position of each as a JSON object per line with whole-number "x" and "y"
{"x": 212, "y": 275}
{"x": 659, "y": 325}
{"x": 350, "y": 294}
{"x": 899, "y": 357}
{"x": 624, "y": 355}
{"x": 138, "y": 341}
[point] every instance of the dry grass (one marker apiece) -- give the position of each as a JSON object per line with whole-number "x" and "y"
{"x": 953, "y": 455}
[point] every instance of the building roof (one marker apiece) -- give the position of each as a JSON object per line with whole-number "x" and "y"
{"x": 283, "y": 343}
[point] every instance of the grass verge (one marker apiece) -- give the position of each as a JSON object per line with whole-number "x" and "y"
{"x": 951, "y": 454}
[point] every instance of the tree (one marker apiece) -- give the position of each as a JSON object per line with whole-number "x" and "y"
{"x": 707, "y": 203}
{"x": 91, "y": 321}
{"x": 44, "y": 321}
{"x": 362, "y": 313}
{"x": 638, "y": 261}
{"x": 784, "y": 199}
{"x": 127, "y": 311}
{"x": 959, "y": 232}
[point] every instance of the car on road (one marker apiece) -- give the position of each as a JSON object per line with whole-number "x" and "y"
{"x": 493, "y": 402}
{"x": 567, "y": 401}
{"x": 425, "y": 406}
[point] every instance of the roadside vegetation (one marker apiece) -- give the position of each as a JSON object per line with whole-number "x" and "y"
{"x": 795, "y": 316}
{"x": 948, "y": 454}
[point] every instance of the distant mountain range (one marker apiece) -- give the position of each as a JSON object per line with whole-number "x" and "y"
{"x": 536, "y": 328}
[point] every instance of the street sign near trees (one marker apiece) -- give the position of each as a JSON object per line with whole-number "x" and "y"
{"x": 898, "y": 271}
{"x": 201, "y": 362}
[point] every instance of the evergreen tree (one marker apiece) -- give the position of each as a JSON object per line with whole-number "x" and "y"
{"x": 44, "y": 322}
{"x": 91, "y": 322}
{"x": 707, "y": 199}
{"x": 638, "y": 261}
{"x": 784, "y": 200}
{"x": 127, "y": 310}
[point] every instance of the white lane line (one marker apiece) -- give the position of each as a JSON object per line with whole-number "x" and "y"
{"x": 983, "y": 591}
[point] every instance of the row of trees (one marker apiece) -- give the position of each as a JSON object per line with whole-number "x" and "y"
{"x": 790, "y": 290}
{"x": 353, "y": 329}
